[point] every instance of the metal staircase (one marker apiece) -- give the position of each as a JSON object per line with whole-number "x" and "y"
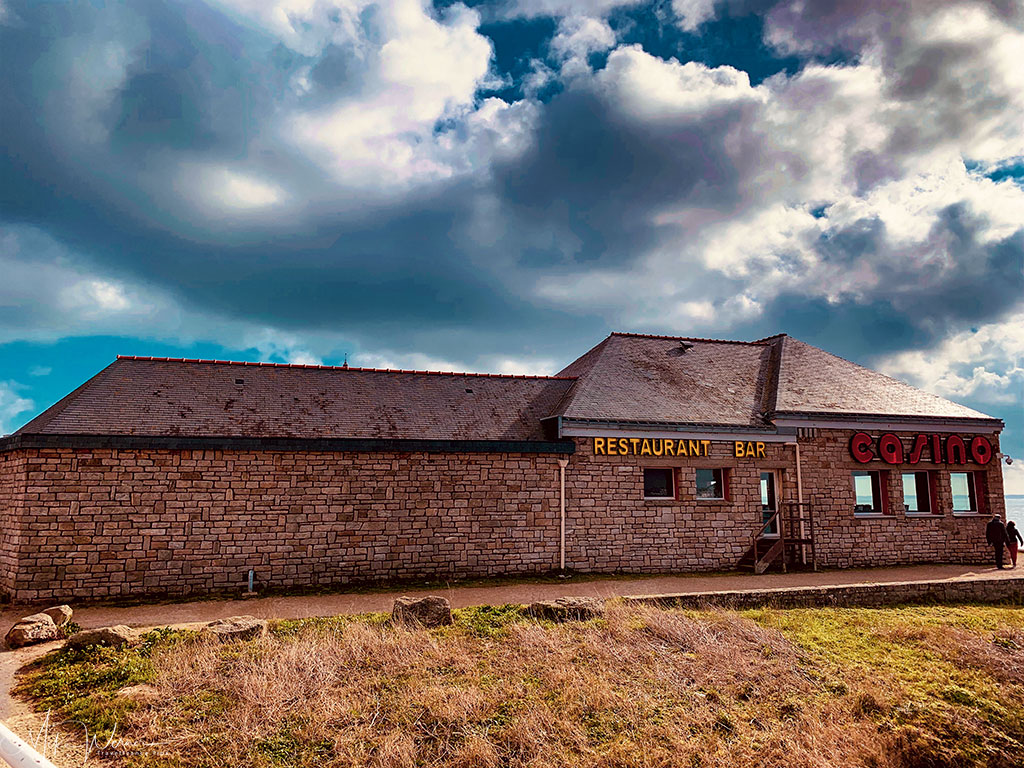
{"x": 792, "y": 548}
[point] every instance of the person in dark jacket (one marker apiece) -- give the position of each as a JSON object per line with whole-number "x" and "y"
{"x": 995, "y": 532}
{"x": 1013, "y": 538}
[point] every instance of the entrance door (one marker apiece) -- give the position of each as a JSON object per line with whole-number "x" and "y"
{"x": 769, "y": 503}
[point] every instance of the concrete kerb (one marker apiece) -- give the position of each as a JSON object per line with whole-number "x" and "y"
{"x": 848, "y": 595}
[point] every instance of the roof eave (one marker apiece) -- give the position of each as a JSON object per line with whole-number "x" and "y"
{"x": 987, "y": 422}
{"x": 680, "y": 426}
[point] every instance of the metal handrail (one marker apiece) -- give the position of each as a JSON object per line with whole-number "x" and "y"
{"x": 16, "y": 752}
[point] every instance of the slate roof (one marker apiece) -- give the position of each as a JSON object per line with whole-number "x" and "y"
{"x": 625, "y": 378}
{"x": 189, "y": 398}
{"x": 813, "y": 381}
{"x": 652, "y": 379}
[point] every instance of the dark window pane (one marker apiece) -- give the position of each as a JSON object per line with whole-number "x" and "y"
{"x": 924, "y": 492}
{"x": 658, "y": 483}
{"x": 709, "y": 484}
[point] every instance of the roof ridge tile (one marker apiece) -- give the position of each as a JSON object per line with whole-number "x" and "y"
{"x": 355, "y": 369}
{"x": 683, "y": 338}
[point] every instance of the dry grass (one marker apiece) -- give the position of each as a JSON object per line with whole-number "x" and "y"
{"x": 643, "y": 687}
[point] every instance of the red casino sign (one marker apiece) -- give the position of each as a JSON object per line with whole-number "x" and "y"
{"x": 890, "y": 449}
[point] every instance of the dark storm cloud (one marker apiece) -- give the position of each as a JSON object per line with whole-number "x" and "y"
{"x": 408, "y": 271}
{"x": 595, "y": 172}
{"x": 396, "y": 276}
{"x": 950, "y": 281}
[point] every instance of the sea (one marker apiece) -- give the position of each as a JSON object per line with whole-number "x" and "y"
{"x": 1015, "y": 509}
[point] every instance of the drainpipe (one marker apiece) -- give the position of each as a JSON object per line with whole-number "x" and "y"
{"x": 562, "y": 464}
{"x": 16, "y": 752}
{"x": 800, "y": 502}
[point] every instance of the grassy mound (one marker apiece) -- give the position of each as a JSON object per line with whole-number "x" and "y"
{"x": 907, "y": 687}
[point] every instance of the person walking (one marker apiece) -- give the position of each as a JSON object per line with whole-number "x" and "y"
{"x": 1013, "y": 539}
{"x": 995, "y": 532}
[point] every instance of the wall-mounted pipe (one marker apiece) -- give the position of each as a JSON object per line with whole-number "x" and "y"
{"x": 800, "y": 500}
{"x": 17, "y": 753}
{"x": 562, "y": 464}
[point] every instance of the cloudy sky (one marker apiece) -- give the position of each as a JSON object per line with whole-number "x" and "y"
{"x": 496, "y": 186}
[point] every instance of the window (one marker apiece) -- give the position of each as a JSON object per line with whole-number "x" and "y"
{"x": 711, "y": 484}
{"x": 658, "y": 483}
{"x": 917, "y": 493}
{"x": 867, "y": 489}
{"x": 968, "y": 493}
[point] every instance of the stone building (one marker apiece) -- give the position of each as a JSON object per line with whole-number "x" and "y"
{"x": 647, "y": 454}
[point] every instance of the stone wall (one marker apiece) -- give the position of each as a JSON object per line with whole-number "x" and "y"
{"x": 1010, "y": 590}
{"x": 845, "y": 540}
{"x": 11, "y": 499}
{"x": 107, "y": 523}
{"x": 611, "y": 527}
{"x": 92, "y": 523}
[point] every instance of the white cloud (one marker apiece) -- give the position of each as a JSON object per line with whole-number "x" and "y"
{"x": 560, "y": 8}
{"x": 1013, "y": 477}
{"x": 425, "y": 70}
{"x": 226, "y": 190}
{"x": 11, "y": 404}
{"x": 985, "y": 364}
{"x": 577, "y": 38}
{"x": 650, "y": 88}
{"x": 693, "y": 13}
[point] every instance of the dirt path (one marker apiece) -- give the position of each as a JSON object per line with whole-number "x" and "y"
{"x": 462, "y": 596}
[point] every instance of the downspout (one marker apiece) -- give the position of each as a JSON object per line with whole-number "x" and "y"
{"x": 562, "y": 464}
{"x": 800, "y": 503}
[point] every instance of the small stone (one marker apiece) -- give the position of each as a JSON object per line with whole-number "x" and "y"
{"x": 37, "y": 628}
{"x": 116, "y": 636}
{"x": 429, "y": 611}
{"x": 237, "y": 628}
{"x": 61, "y": 614}
{"x": 567, "y": 609}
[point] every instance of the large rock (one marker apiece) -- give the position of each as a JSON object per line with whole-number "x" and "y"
{"x": 116, "y": 636}
{"x": 422, "y": 611}
{"x": 567, "y": 609}
{"x": 37, "y": 628}
{"x": 237, "y": 628}
{"x": 61, "y": 614}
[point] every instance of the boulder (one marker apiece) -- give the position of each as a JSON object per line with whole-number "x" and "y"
{"x": 422, "y": 611}
{"x": 61, "y": 614}
{"x": 116, "y": 636}
{"x": 567, "y": 609}
{"x": 237, "y": 628}
{"x": 37, "y": 628}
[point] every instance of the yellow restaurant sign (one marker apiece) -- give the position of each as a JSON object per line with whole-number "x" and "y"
{"x": 659, "y": 446}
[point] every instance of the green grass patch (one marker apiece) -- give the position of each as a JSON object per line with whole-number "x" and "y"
{"x": 81, "y": 685}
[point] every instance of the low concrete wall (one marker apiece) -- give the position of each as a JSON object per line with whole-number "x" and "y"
{"x": 851, "y": 595}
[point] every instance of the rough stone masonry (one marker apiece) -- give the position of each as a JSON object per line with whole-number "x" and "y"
{"x": 175, "y": 477}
